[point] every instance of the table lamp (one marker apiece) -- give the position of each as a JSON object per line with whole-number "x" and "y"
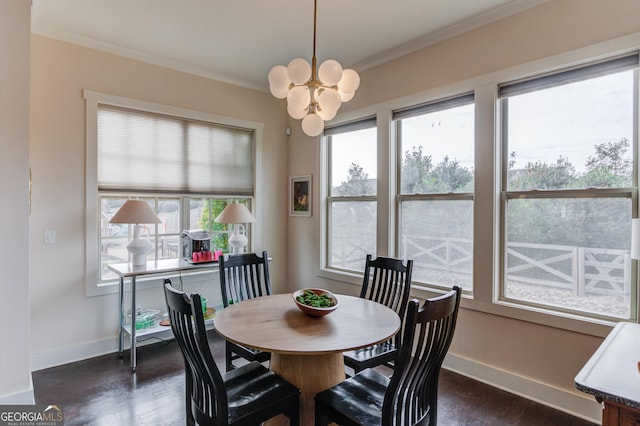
{"x": 236, "y": 214}
{"x": 137, "y": 212}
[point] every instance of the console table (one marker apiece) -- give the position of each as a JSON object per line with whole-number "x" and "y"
{"x": 128, "y": 271}
{"x": 612, "y": 375}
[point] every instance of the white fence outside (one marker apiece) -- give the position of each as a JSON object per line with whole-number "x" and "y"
{"x": 583, "y": 270}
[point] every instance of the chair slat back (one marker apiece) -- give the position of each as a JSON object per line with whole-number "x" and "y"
{"x": 243, "y": 277}
{"x": 206, "y": 387}
{"x": 388, "y": 281}
{"x": 411, "y": 398}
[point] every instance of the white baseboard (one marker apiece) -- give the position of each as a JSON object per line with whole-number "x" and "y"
{"x": 21, "y": 398}
{"x": 582, "y": 406}
{"x": 68, "y": 354}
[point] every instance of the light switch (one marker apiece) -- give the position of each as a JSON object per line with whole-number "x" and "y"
{"x": 49, "y": 236}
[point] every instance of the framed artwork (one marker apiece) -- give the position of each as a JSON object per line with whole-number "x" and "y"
{"x": 300, "y": 196}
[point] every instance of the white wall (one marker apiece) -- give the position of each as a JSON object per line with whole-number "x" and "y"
{"x": 66, "y": 324}
{"x": 534, "y": 360}
{"x": 15, "y": 371}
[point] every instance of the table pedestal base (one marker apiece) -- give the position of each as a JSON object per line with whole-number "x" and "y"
{"x": 312, "y": 374}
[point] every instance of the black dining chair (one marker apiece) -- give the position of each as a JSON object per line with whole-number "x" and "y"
{"x": 248, "y": 395}
{"x": 386, "y": 281}
{"x": 410, "y": 396}
{"x": 243, "y": 277}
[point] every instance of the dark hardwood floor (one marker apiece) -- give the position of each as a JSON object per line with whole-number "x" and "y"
{"x": 103, "y": 391}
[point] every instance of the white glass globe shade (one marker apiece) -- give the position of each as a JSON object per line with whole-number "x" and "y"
{"x": 278, "y": 76}
{"x": 346, "y": 96}
{"x": 329, "y": 100}
{"x": 299, "y": 71}
{"x": 297, "y": 113}
{"x": 298, "y": 97}
{"x": 350, "y": 81}
{"x": 330, "y": 72}
{"x": 326, "y": 115}
{"x": 312, "y": 125}
{"x": 279, "y": 92}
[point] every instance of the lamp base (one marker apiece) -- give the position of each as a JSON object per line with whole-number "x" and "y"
{"x": 237, "y": 242}
{"x": 139, "y": 247}
{"x": 138, "y": 259}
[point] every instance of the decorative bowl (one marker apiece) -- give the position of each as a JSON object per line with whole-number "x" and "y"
{"x": 312, "y": 310}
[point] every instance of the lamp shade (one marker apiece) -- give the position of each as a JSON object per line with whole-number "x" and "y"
{"x": 235, "y": 213}
{"x": 635, "y": 239}
{"x": 312, "y": 125}
{"x": 135, "y": 211}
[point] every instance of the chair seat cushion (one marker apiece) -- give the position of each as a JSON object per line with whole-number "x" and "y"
{"x": 371, "y": 356}
{"x": 252, "y": 387}
{"x": 359, "y": 398}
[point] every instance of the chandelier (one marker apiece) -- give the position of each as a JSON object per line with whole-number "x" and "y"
{"x": 313, "y": 94}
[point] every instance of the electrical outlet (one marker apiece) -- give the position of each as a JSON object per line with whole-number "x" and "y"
{"x": 49, "y": 236}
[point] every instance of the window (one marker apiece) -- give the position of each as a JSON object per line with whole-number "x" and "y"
{"x": 165, "y": 237}
{"x": 187, "y": 165}
{"x": 436, "y": 163}
{"x": 352, "y": 200}
{"x": 202, "y": 215}
{"x": 518, "y": 185}
{"x": 568, "y": 189}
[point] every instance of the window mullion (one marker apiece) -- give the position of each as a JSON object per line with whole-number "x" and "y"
{"x": 447, "y": 196}
{"x": 332, "y": 199}
{"x": 572, "y": 193}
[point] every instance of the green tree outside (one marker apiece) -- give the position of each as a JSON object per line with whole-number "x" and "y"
{"x": 357, "y": 183}
{"x": 420, "y": 176}
{"x": 569, "y": 221}
{"x": 535, "y": 220}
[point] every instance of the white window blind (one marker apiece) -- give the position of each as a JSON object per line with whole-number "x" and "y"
{"x": 365, "y": 123}
{"x": 572, "y": 75}
{"x": 431, "y": 107}
{"x": 147, "y": 152}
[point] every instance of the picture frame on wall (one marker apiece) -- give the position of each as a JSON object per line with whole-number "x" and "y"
{"x": 300, "y": 196}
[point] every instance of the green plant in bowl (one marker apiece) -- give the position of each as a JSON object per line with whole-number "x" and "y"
{"x": 315, "y": 301}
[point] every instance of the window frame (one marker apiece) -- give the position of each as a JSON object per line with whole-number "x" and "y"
{"x": 542, "y": 81}
{"x": 456, "y": 100}
{"x": 329, "y": 199}
{"x": 93, "y": 286}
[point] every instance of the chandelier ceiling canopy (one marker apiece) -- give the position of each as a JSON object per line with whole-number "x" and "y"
{"x": 313, "y": 94}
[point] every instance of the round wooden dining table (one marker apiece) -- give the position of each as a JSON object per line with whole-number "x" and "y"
{"x": 305, "y": 350}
